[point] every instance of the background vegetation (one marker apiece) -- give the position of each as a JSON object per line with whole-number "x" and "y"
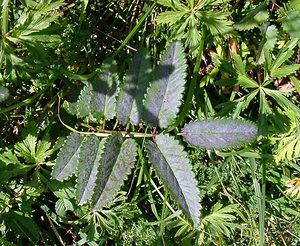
{"x": 243, "y": 62}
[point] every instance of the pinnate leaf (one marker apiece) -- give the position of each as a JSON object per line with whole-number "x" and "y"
{"x": 89, "y": 160}
{"x": 67, "y": 159}
{"x": 219, "y": 133}
{"x": 173, "y": 167}
{"x": 163, "y": 98}
{"x": 98, "y": 98}
{"x": 117, "y": 160}
{"x": 130, "y": 99}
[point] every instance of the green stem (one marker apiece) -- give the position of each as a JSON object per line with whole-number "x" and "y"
{"x": 103, "y": 133}
{"x": 189, "y": 98}
{"x": 24, "y": 102}
{"x": 135, "y": 29}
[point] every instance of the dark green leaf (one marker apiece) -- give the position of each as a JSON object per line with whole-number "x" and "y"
{"x": 23, "y": 225}
{"x": 173, "y": 167}
{"x": 219, "y": 133}
{"x": 291, "y": 23}
{"x": 130, "y": 100}
{"x": 163, "y": 98}
{"x": 89, "y": 161}
{"x": 254, "y": 18}
{"x": 67, "y": 159}
{"x": 117, "y": 160}
{"x": 98, "y": 98}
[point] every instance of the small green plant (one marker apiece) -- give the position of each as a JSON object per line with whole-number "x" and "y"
{"x": 102, "y": 159}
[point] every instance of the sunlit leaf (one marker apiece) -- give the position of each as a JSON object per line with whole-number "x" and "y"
{"x": 219, "y": 133}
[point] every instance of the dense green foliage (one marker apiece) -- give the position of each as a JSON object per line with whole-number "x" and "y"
{"x": 154, "y": 106}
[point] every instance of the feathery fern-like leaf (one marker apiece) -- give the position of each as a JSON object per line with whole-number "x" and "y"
{"x": 67, "y": 159}
{"x": 173, "y": 167}
{"x": 163, "y": 97}
{"x": 89, "y": 160}
{"x": 117, "y": 160}
{"x": 219, "y": 133}
{"x": 130, "y": 99}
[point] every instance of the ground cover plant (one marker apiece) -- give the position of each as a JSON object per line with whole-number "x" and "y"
{"x": 149, "y": 122}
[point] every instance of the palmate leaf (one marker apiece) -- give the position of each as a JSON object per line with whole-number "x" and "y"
{"x": 219, "y": 133}
{"x": 285, "y": 70}
{"x": 282, "y": 100}
{"x": 67, "y": 159}
{"x": 130, "y": 99}
{"x": 254, "y": 18}
{"x": 291, "y": 23}
{"x": 163, "y": 97}
{"x": 216, "y": 22}
{"x": 170, "y": 17}
{"x": 172, "y": 165}
{"x": 284, "y": 54}
{"x": 220, "y": 220}
{"x": 38, "y": 19}
{"x": 270, "y": 37}
{"x": 89, "y": 160}
{"x": 117, "y": 160}
{"x": 98, "y": 98}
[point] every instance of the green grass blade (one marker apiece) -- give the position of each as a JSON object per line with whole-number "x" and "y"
{"x": 260, "y": 197}
{"x": 135, "y": 29}
{"x": 4, "y": 16}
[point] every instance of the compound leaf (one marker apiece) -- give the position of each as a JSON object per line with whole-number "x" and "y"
{"x": 291, "y": 23}
{"x": 169, "y": 17}
{"x": 254, "y": 18}
{"x": 115, "y": 164}
{"x": 130, "y": 99}
{"x": 67, "y": 159}
{"x": 216, "y": 22}
{"x": 98, "y": 98}
{"x": 89, "y": 160}
{"x": 163, "y": 98}
{"x": 284, "y": 54}
{"x": 285, "y": 70}
{"x": 173, "y": 167}
{"x": 219, "y": 133}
